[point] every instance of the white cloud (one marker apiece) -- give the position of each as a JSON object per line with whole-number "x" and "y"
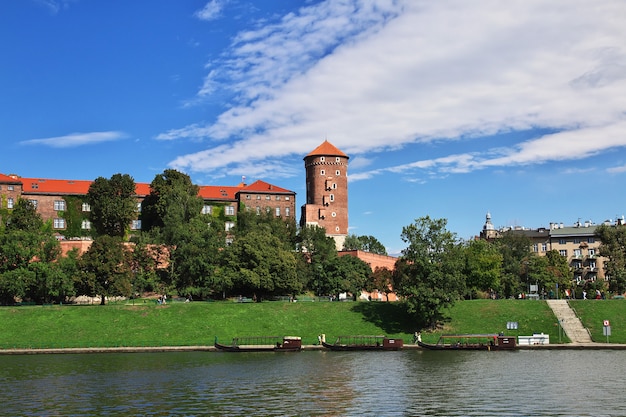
{"x": 77, "y": 139}
{"x": 379, "y": 74}
{"x": 211, "y": 11}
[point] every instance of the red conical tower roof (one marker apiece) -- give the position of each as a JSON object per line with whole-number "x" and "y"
{"x": 326, "y": 149}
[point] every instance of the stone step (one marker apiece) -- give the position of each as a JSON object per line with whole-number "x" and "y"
{"x": 569, "y": 321}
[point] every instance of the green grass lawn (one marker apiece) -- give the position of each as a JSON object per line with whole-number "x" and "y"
{"x": 594, "y": 312}
{"x": 198, "y": 323}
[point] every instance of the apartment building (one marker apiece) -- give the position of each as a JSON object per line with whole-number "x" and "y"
{"x": 55, "y": 199}
{"x": 578, "y": 243}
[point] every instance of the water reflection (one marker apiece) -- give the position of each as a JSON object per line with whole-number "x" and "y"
{"x": 406, "y": 383}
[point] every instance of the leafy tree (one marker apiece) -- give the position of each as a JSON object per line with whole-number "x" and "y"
{"x": 345, "y": 274}
{"x": 260, "y": 265}
{"x": 483, "y": 266}
{"x": 172, "y": 203}
{"x": 515, "y": 250}
{"x": 317, "y": 251}
{"x": 613, "y": 247}
{"x": 113, "y": 204}
{"x": 558, "y": 270}
{"x": 13, "y": 284}
{"x": 25, "y": 217}
{"x": 429, "y": 273}
{"x": 196, "y": 260}
{"x": 381, "y": 280}
{"x": 106, "y": 268}
{"x": 364, "y": 243}
{"x": 284, "y": 229}
{"x": 48, "y": 283}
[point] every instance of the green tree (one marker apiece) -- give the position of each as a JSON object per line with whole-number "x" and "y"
{"x": 483, "y": 266}
{"x": 317, "y": 251}
{"x": 25, "y": 217}
{"x": 106, "y": 268}
{"x": 113, "y": 204}
{"x": 261, "y": 266}
{"x": 364, "y": 243}
{"x": 196, "y": 260}
{"x": 429, "y": 272}
{"x": 48, "y": 283}
{"x": 172, "y": 203}
{"x": 613, "y": 247}
{"x": 381, "y": 280}
{"x": 347, "y": 274}
{"x": 515, "y": 249}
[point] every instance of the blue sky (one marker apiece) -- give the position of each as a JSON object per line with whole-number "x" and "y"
{"x": 446, "y": 108}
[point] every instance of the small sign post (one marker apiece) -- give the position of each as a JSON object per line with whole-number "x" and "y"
{"x": 607, "y": 330}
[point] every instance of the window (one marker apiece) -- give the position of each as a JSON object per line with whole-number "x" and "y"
{"x": 591, "y": 240}
{"x": 35, "y": 186}
{"x": 563, "y": 252}
{"x": 287, "y": 211}
{"x": 277, "y": 198}
{"x": 229, "y": 225}
{"x": 561, "y": 241}
{"x": 592, "y": 265}
{"x": 9, "y": 203}
{"x": 247, "y": 196}
{"x": 592, "y": 253}
{"x": 334, "y": 186}
{"x": 287, "y": 198}
{"x": 135, "y": 225}
{"x": 332, "y": 197}
{"x": 333, "y": 214}
{"x": 576, "y": 240}
{"x": 258, "y": 197}
{"x": 206, "y": 209}
{"x": 277, "y": 211}
{"x": 535, "y": 247}
{"x": 268, "y": 197}
{"x": 86, "y": 207}
{"x": 338, "y": 173}
{"x": 59, "y": 205}
{"x": 258, "y": 210}
{"x": 10, "y": 187}
{"x": 544, "y": 247}
{"x": 85, "y": 225}
{"x": 337, "y": 159}
{"x": 229, "y": 210}
{"x": 322, "y": 158}
{"x": 577, "y": 253}
{"x": 34, "y": 203}
{"x": 322, "y": 172}
{"x": 59, "y": 223}
{"x": 139, "y": 206}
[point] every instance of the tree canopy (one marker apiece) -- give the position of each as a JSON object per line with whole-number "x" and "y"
{"x": 113, "y": 204}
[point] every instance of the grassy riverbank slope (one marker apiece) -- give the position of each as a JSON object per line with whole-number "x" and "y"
{"x": 198, "y": 323}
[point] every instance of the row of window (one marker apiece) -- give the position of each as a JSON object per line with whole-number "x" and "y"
{"x": 277, "y": 211}
{"x": 577, "y": 252}
{"x": 269, "y": 197}
{"x": 323, "y": 159}
{"x": 9, "y": 188}
{"x": 337, "y": 172}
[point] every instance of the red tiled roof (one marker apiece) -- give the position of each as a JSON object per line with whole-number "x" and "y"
{"x": 326, "y": 149}
{"x": 66, "y": 187}
{"x": 7, "y": 179}
{"x": 217, "y": 192}
{"x": 263, "y": 187}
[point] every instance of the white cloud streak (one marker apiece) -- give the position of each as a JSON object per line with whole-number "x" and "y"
{"x": 374, "y": 75}
{"x": 76, "y": 139}
{"x": 211, "y": 11}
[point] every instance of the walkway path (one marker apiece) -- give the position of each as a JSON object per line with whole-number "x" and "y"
{"x": 572, "y": 325}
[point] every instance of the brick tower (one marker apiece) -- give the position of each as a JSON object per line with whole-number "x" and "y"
{"x": 327, "y": 191}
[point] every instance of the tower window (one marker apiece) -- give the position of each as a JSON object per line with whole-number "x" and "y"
{"x": 322, "y": 158}
{"x": 322, "y": 172}
{"x": 337, "y": 173}
{"x": 337, "y": 159}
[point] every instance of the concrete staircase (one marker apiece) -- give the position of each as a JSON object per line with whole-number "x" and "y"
{"x": 571, "y": 324}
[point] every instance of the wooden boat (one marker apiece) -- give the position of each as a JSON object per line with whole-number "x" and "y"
{"x": 262, "y": 344}
{"x": 471, "y": 342}
{"x": 364, "y": 343}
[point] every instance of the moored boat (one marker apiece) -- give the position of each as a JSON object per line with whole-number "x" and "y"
{"x": 364, "y": 343}
{"x": 262, "y": 344}
{"x": 471, "y": 342}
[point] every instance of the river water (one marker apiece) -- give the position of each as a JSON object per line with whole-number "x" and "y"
{"x": 316, "y": 383}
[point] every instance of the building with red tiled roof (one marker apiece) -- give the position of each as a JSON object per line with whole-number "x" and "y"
{"x": 63, "y": 201}
{"x": 327, "y": 191}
